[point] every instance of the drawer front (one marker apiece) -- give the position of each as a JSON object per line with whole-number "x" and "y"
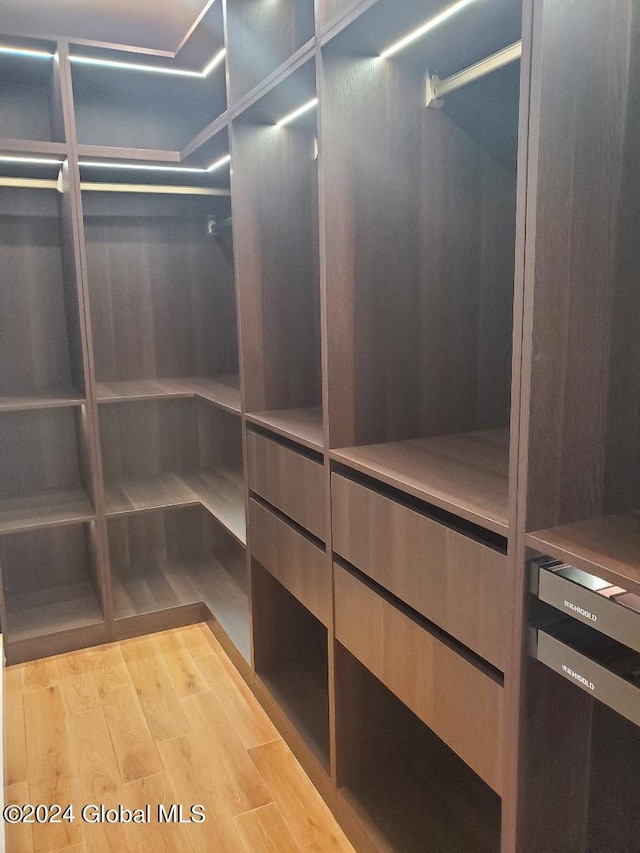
{"x": 290, "y": 481}
{"x": 595, "y": 610}
{"x": 299, "y": 565}
{"x": 459, "y": 584}
{"x": 461, "y": 704}
{"x": 589, "y": 676}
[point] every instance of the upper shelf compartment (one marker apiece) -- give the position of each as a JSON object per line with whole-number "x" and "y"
{"x": 139, "y": 101}
{"x": 275, "y": 209}
{"x": 420, "y": 216}
{"x": 30, "y": 102}
{"x": 262, "y": 36}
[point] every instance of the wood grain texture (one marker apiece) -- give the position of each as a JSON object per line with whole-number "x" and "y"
{"x": 290, "y": 481}
{"x": 466, "y": 474}
{"x": 301, "y": 425}
{"x": 263, "y": 830}
{"x": 452, "y": 580}
{"x": 298, "y": 564}
{"x": 132, "y": 740}
{"x": 222, "y": 391}
{"x": 461, "y": 704}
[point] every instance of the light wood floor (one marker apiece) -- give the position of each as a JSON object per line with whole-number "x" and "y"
{"x": 162, "y": 719}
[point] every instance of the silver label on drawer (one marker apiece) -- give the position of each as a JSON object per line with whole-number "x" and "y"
{"x": 577, "y": 677}
{"x": 576, "y": 609}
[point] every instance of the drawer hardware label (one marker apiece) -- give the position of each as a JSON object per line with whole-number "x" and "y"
{"x": 571, "y": 606}
{"x": 577, "y": 677}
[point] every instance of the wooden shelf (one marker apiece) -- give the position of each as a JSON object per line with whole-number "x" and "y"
{"x": 607, "y": 547}
{"x": 301, "y": 425}
{"x": 304, "y": 701}
{"x": 467, "y": 474}
{"x": 50, "y": 399}
{"x": 220, "y": 493}
{"x": 208, "y": 578}
{"x": 115, "y": 153}
{"x": 33, "y": 147}
{"x": 223, "y": 391}
{"x": 47, "y": 509}
{"x": 52, "y": 609}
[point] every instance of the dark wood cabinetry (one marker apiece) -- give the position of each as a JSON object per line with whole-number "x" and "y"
{"x": 324, "y": 330}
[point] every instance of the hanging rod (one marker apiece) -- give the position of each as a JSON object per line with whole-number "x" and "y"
{"x": 438, "y": 89}
{"x": 215, "y": 228}
{"x": 40, "y": 184}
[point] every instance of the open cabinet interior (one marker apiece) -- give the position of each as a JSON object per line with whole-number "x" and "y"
{"x": 166, "y": 559}
{"x": 275, "y": 186}
{"x": 408, "y": 790}
{"x": 420, "y": 228}
{"x": 30, "y": 100}
{"x": 291, "y": 658}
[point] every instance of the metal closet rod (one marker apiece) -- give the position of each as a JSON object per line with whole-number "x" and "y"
{"x": 438, "y": 89}
{"x": 158, "y": 189}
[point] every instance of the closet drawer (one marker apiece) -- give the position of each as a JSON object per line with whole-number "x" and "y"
{"x": 298, "y": 564}
{"x": 613, "y": 680}
{"x": 454, "y": 698}
{"x": 584, "y": 597}
{"x": 290, "y": 481}
{"x": 460, "y": 584}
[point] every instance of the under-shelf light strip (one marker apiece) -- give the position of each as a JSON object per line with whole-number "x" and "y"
{"x": 137, "y": 167}
{"x": 429, "y": 25}
{"x": 41, "y": 161}
{"x": 129, "y": 66}
{"x": 300, "y": 111}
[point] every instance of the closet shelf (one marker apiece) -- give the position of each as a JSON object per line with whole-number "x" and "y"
{"x": 221, "y": 493}
{"x": 207, "y": 578}
{"x": 465, "y": 474}
{"x": 141, "y": 154}
{"x": 32, "y": 147}
{"x": 54, "y": 398}
{"x": 47, "y": 509}
{"x": 224, "y": 391}
{"x": 49, "y": 610}
{"x": 608, "y": 547}
{"x": 301, "y": 425}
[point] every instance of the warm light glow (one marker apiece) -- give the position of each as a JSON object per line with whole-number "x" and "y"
{"x": 131, "y": 66}
{"x": 136, "y": 167}
{"x": 218, "y": 163}
{"x": 425, "y": 28}
{"x": 34, "y": 54}
{"x": 43, "y": 161}
{"x": 217, "y": 59}
{"x": 300, "y": 111}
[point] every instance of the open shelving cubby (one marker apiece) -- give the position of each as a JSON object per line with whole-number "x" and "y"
{"x": 291, "y": 658}
{"x": 275, "y": 185}
{"x": 50, "y": 582}
{"x": 30, "y": 101}
{"x": 137, "y": 101}
{"x": 407, "y": 789}
{"x": 161, "y": 285}
{"x": 171, "y": 558}
{"x": 419, "y": 205}
{"x": 41, "y": 353}
{"x": 160, "y": 454}
{"x": 261, "y": 37}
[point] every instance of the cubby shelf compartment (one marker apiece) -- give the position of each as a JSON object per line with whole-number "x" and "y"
{"x": 50, "y": 581}
{"x": 41, "y": 361}
{"x": 224, "y": 391}
{"x": 281, "y": 29}
{"x": 467, "y": 475}
{"x": 171, "y": 453}
{"x": 192, "y": 560}
{"x": 301, "y": 425}
{"x": 407, "y": 789}
{"x": 30, "y": 103}
{"x": 291, "y": 658}
{"x": 607, "y": 547}
{"x": 43, "y": 479}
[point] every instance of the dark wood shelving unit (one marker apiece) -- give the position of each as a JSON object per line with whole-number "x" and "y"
{"x": 324, "y": 347}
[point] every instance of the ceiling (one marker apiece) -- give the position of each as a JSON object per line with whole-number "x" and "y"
{"x": 152, "y": 24}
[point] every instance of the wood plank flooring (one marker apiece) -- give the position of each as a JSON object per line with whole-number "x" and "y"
{"x": 158, "y": 720}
